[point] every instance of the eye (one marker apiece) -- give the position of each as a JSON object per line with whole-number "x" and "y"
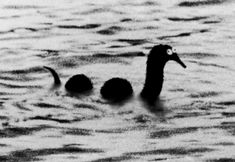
{"x": 174, "y": 50}
{"x": 169, "y": 52}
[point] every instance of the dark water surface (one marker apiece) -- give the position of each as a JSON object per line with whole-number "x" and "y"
{"x": 194, "y": 119}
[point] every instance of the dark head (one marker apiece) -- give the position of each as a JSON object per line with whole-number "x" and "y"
{"x": 160, "y": 54}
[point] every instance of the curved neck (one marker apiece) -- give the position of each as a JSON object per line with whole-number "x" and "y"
{"x": 154, "y": 80}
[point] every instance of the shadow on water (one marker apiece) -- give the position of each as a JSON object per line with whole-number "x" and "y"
{"x": 121, "y": 102}
{"x": 54, "y": 87}
{"x": 79, "y": 95}
{"x": 155, "y": 107}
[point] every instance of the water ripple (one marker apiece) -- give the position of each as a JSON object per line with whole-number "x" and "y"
{"x": 12, "y": 132}
{"x": 35, "y": 155}
{"x": 87, "y": 26}
{"x": 196, "y": 18}
{"x": 201, "y": 3}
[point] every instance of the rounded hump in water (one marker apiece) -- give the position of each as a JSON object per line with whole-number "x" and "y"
{"x": 116, "y": 89}
{"x": 79, "y": 83}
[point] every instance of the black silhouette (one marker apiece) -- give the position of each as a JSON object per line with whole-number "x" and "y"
{"x": 78, "y": 83}
{"x": 118, "y": 88}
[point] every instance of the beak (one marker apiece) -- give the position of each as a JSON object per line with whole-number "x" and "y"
{"x": 176, "y": 58}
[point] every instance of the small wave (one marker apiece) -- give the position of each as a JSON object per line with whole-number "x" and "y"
{"x": 48, "y": 53}
{"x": 50, "y": 118}
{"x": 142, "y": 119}
{"x": 116, "y": 46}
{"x": 78, "y": 132}
{"x": 228, "y": 126}
{"x": 23, "y": 37}
{"x": 172, "y": 132}
{"x": 126, "y": 20}
{"x": 116, "y": 159}
{"x": 196, "y": 18}
{"x": 19, "y": 29}
{"x": 190, "y": 114}
{"x": 203, "y": 30}
{"x": 25, "y": 28}
{"x": 173, "y": 151}
{"x": 21, "y": 106}
{"x": 100, "y": 10}
{"x": 205, "y": 94}
{"x": 47, "y": 105}
{"x": 18, "y": 86}
{"x": 200, "y": 3}
{"x": 26, "y": 70}
{"x": 177, "y": 90}
{"x": 150, "y": 3}
{"x": 87, "y": 106}
{"x": 3, "y": 117}
{"x": 36, "y": 155}
{"x": 110, "y": 30}
{"x": 2, "y": 145}
{"x": 112, "y": 131}
{"x": 228, "y": 114}
{"x": 140, "y": 3}
{"x": 128, "y": 54}
{"x": 211, "y": 22}
{"x": 22, "y": 7}
{"x": 199, "y": 55}
{"x": 212, "y": 64}
{"x": 209, "y": 64}
{"x": 221, "y": 160}
{"x": 120, "y": 130}
{"x": 133, "y": 42}
{"x": 8, "y": 77}
{"x": 11, "y": 132}
{"x": 225, "y": 143}
{"x": 87, "y": 26}
{"x": 186, "y": 34}
{"x": 226, "y": 103}
{"x": 9, "y": 17}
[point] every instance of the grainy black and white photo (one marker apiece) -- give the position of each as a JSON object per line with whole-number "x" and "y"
{"x": 117, "y": 80}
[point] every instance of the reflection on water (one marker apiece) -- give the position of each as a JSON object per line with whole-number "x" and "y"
{"x": 193, "y": 119}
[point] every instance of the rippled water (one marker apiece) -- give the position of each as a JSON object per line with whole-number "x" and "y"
{"x": 194, "y": 119}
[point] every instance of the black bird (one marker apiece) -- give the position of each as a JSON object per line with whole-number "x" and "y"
{"x": 119, "y": 88}
{"x": 78, "y": 83}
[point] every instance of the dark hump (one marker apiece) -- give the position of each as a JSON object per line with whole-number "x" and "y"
{"x": 79, "y": 83}
{"x": 116, "y": 89}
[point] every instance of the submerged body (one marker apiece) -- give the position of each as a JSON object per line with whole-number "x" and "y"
{"x": 157, "y": 58}
{"x": 79, "y": 83}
